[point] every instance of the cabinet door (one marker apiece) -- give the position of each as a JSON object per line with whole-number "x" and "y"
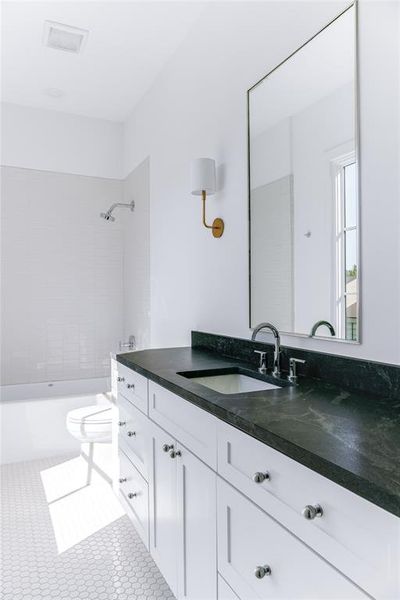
{"x": 133, "y": 493}
{"x": 163, "y": 507}
{"x": 133, "y": 387}
{"x": 224, "y": 591}
{"x": 134, "y": 435}
{"x": 197, "y": 561}
{"x": 192, "y": 426}
{"x": 260, "y": 559}
{"x": 360, "y": 539}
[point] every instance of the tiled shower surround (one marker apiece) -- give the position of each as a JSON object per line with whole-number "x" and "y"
{"x": 62, "y": 275}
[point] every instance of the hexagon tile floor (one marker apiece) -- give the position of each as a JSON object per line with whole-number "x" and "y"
{"x": 60, "y": 542}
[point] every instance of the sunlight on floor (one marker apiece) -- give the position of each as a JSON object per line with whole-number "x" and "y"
{"x": 77, "y": 510}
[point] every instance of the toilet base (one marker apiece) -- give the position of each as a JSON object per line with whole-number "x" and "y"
{"x": 99, "y": 458}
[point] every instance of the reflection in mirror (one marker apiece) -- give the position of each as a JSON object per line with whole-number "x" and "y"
{"x": 303, "y": 174}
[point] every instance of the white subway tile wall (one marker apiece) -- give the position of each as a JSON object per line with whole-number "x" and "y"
{"x": 62, "y": 276}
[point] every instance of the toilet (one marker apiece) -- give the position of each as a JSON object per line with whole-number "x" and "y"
{"x": 92, "y": 427}
{"x": 90, "y": 424}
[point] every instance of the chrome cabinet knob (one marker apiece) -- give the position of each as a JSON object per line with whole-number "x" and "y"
{"x": 130, "y": 386}
{"x": 131, "y": 433}
{"x": 167, "y": 447}
{"x": 122, "y": 479}
{"x": 261, "y": 572}
{"x": 132, "y": 495}
{"x": 121, "y": 423}
{"x": 175, "y": 453}
{"x": 310, "y": 512}
{"x": 260, "y": 477}
{"x": 120, "y": 379}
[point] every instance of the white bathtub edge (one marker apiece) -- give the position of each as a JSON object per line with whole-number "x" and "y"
{"x": 52, "y": 389}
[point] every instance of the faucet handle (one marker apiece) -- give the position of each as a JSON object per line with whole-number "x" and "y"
{"x": 262, "y": 368}
{"x": 293, "y": 362}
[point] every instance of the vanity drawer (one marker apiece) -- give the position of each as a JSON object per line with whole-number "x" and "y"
{"x": 249, "y": 541}
{"x": 190, "y": 425}
{"x": 359, "y": 538}
{"x": 133, "y": 386}
{"x": 134, "y": 437}
{"x": 134, "y": 494}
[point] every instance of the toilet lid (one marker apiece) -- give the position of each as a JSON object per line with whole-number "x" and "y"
{"x": 90, "y": 414}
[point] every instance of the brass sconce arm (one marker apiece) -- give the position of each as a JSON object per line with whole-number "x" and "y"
{"x": 217, "y": 225}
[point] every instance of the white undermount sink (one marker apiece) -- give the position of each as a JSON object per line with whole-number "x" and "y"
{"x": 234, "y": 383}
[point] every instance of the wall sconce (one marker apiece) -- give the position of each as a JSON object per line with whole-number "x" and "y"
{"x": 203, "y": 183}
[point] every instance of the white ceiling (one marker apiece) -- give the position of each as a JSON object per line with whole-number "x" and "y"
{"x": 128, "y": 45}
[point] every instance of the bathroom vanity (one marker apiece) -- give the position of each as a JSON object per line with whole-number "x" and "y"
{"x": 286, "y": 492}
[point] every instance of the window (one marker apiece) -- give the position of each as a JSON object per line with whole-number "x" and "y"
{"x": 347, "y": 282}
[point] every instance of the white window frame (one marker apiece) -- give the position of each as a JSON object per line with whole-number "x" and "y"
{"x": 338, "y": 165}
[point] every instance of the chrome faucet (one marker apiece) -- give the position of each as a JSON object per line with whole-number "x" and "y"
{"x": 277, "y": 350}
{"x": 318, "y": 324}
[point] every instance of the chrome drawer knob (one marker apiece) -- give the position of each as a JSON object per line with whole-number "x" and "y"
{"x": 310, "y": 512}
{"x": 260, "y": 477}
{"x": 120, "y": 379}
{"x": 261, "y": 572}
{"x": 132, "y": 495}
{"x": 130, "y": 386}
{"x": 167, "y": 447}
{"x": 121, "y": 423}
{"x": 175, "y": 453}
{"x": 131, "y": 433}
{"x": 122, "y": 479}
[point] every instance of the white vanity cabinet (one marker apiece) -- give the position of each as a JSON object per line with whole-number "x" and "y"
{"x": 134, "y": 437}
{"x": 134, "y": 495}
{"x": 225, "y": 592}
{"x": 358, "y": 538}
{"x": 133, "y": 387}
{"x": 163, "y": 507}
{"x": 179, "y": 527}
{"x": 224, "y": 514}
{"x": 261, "y": 559}
{"x": 183, "y": 518}
{"x": 192, "y": 426}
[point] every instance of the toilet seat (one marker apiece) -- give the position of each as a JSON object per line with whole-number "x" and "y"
{"x": 91, "y": 423}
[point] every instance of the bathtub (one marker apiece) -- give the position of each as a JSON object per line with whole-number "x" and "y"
{"x": 33, "y": 416}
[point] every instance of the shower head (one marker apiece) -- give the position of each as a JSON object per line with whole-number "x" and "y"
{"x": 107, "y": 215}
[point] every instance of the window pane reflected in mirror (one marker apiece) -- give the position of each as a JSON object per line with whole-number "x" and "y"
{"x": 350, "y": 191}
{"x": 351, "y": 317}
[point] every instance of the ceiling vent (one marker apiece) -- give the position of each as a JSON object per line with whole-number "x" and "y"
{"x": 64, "y": 37}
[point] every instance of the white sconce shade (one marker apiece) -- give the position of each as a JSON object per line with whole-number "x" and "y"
{"x": 203, "y": 176}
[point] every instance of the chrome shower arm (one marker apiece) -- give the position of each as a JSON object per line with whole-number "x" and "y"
{"x": 107, "y": 215}
{"x": 131, "y": 205}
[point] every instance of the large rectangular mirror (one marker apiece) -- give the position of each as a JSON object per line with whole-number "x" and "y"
{"x": 303, "y": 189}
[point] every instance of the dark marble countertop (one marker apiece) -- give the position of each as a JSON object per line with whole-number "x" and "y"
{"x": 352, "y": 438}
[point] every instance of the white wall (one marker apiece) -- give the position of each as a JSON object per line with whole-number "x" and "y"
{"x": 62, "y": 268}
{"x": 62, "y": 276}
{"x": 136, "y": 272}
{"x": 73, "y": 285}
{"x": 197, "y": 107}
{"x": 331, "y": 122}
{"x": 271, "y": 154}
{"x": 54, "y": 141}
{"x": 272, "y": 254}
